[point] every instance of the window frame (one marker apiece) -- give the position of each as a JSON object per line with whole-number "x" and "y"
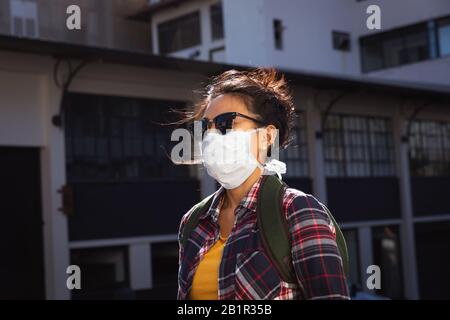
{"x": 194, "y": 15}
{"x": 221, "y": 35}
{"x": 359, "y": 143}
{"x": 296, "y": 155}
{"x": 417, "y": 144}
{"x": 83, "y": 122}
{"x": 430, "y": 27}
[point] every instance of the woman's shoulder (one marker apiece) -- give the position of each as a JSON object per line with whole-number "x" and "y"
{"x": 185, "y": 217}
{"x": 297, "y": 202}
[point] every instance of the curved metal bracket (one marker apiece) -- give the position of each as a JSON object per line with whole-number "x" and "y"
{"x": 331, "y": 104}
{"x": 405, "y": 137}
{"x": 57, "y": 119}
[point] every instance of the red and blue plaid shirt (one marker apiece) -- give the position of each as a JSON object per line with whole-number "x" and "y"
{"x": 245, "y": 271}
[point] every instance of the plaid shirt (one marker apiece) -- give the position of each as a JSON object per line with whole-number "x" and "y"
{"x": 245, "y": 271}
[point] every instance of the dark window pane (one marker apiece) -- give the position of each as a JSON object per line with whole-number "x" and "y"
{"x": 179, "y": 33}
{"x": 164, "y": 269}
{"x": 429, "y": 152}
{"x": 295, "y": 155}
{"x": 18, "y": 26}
{"x": 444, "y": 36}
{"x": 351, "y": 238}
{"x": 372, "y": 55}
{"x": 398, "y": 47}
{"x": 416, "y": 45}
{"x": 278, "y": 33}
{"x": 387, "y": 255}
{"x": 216, "y": 21}
{"x": 104, "y": 273}
{"x": 353, "y": 146}
{"x": 117, "y": 138}
{"x": 341, "y": 40}
{"x": 393, "y": 52}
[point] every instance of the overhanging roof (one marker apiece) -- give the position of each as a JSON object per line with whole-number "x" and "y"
{"x": 144, "y": 59}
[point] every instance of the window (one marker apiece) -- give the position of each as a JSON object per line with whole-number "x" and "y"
{"x": 341, "y": 41}
{"x": 165, "y": 269}
{"x": 358, "y": 146}
{"x": 405, "y": 45}
{"x": 432, "y": 241}
{"x": 444, "y": 36}
{"x": 24, "y": 18}
{"x": 179, "y": 33}
{"x": 429, "y": 148}
{"x": 118, "y": 138}
{"x": 392, "y": 51}
{"x": 216, "y": 15}
{"x": 104, "y": 273}
{"x": 278, "y": 33}
{"x": 415, "y": 46}
{"x": 351, "y": 238}
{"x": 395, "y": 47}
{"x": 372, "y": 55}
{"x": 296, "y": 154}
{"x": 387, "y": 255}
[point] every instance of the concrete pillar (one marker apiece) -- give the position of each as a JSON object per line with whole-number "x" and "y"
{"x": 315, "y": 152}
{"x": 365, "y": 254}
{"x": 140, "y": 263}
{"x": 409, "y": 262}
{"x": 56, "y": 239}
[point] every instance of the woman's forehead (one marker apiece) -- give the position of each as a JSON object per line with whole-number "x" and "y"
{"x": 225, "y": 103}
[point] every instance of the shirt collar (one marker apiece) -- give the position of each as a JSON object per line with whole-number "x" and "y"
{"x": 249, "y": 201}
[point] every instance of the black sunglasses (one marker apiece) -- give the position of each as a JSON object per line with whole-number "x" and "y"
{"x": 224, "y": 121}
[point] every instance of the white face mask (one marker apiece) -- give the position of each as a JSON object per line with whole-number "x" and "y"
{"x": 228, "y": 158}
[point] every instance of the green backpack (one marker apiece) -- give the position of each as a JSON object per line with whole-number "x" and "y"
{"x": 273, "y": 226}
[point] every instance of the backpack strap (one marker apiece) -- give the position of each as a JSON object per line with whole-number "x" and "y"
{"x": 273, "y": 227}
{"x": 193, "y": 218}
{"x": 275, "y": 232}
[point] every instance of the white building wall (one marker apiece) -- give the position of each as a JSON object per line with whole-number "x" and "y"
{"x": 308, "y": 31}
{"x": 436, "y": 71}
{"x": 245, "y": 32}
{"x": 21, "y": 109}
{"x": 307, "y": 37}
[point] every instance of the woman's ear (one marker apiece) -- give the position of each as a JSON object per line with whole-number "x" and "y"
{"x": 271, "y": 134}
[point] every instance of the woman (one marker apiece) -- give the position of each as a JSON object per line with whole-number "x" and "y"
{"x": 241, "y": 114}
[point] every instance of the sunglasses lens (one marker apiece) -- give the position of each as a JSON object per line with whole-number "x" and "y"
{"x": 224, "y": 122}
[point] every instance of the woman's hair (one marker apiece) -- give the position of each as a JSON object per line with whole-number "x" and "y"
{"x": 263, "y": 90}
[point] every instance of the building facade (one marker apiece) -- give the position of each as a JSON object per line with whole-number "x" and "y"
{"x": 103, "y": 22}
{"x": 413, "y": 43}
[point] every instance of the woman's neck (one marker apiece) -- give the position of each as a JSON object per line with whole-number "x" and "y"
{"x": 234, "y": 196}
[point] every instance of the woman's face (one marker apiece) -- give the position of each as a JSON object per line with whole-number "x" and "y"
{"x": 230, "y": 103}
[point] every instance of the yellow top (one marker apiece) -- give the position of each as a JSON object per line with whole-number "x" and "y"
{"x": 206, "y": 278}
